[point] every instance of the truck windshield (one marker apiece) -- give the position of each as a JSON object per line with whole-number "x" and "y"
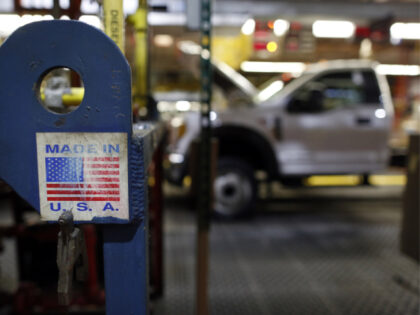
{"x": 275, "y": 87}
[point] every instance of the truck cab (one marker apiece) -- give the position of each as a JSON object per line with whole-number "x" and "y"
{"x": 334, "y": 119}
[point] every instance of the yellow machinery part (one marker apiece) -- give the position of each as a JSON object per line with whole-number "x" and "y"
{"x": 114, "y": 21}
{"x": 139, "y": 21}
{"x": 232, "y": 50}
{"x": 73, "y": 99}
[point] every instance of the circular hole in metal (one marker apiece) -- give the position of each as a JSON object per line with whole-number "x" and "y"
{"x": 229, "y": 190}
{"x": 60, "y": 90}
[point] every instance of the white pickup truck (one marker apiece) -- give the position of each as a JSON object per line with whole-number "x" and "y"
{"x": 333, "y": 119}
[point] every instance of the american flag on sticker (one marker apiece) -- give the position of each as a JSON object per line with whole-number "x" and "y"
{"x": 82, "y": 178}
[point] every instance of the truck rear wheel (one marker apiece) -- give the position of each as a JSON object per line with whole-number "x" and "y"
{"x": 234, "y": 188}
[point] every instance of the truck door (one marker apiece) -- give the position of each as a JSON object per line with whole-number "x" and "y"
{"x": 335, "y": 123}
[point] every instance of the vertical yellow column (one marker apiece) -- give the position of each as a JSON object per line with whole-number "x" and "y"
{"x": 139, "y": 21}
{"x": 114, "y": 21}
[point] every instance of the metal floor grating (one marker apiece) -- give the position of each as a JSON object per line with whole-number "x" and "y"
{"x": 326, "y": 256}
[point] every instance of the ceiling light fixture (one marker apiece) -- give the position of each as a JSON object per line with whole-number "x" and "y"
{"x": 249, "y": 27}
{"x": 405, "y": 31}
{"x": 333, "y": 29}
{"x": 281, "y": 27}
{"x": 272, "y": 67}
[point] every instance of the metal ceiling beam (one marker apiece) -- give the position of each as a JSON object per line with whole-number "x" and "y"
{"x": 356, "y": 9}
{"x": 338, "y": 9}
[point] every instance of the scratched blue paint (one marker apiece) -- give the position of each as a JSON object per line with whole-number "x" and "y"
{"x": 126, "y": 268}
{"x": 25, "y": 56}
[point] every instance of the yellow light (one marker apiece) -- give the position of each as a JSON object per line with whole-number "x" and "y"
{"x": 187, "y": 181}
{"x": 151, "y": 181}
{"x": 271, "y": 46}
{"x": 333, "y": 180}
{"x": 355, "y": 180}
{"x": 387, "y": 180}
{"x": 163, "y": 40}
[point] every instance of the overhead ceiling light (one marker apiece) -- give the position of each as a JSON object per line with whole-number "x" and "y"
{"x": 365, "y": 50}
{"x": 29, "y": 18}
{"x": 64, "y": 4}
{"x": 130, "y": 6}
{"x": 189, "y": 47}
{"x": 249, "y": 27}
{"x": 163, "y": 40}
{"x": 176, "y": 158}
{"x": 164, "y": 106}
{"x": 9, "y": 23}
{"x": 37, "y": 4}
{"x": 92, "y": 20}
{"x": 228, "y": 19}
{"x": 183, "y": 106}
{"x": 272, "y": 67}
{"x": 280, "y": 27}
{"x": 405, "y": 30}
{"x": 409, "y": 70}
{"x": 166, "y": 19}
{"x": 333, "y": 29}
{"x": 89, "y": 7}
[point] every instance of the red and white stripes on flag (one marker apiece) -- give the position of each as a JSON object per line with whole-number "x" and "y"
{"x": 97, "y": 179}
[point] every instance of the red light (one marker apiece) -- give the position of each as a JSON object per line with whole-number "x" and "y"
{"x": 260, "y": 45}
{"x": 363, "y": 32}
{"x": 295, "y": 26}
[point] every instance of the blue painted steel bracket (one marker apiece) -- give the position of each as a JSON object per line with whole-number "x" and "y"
{"x": 25, "y": 57}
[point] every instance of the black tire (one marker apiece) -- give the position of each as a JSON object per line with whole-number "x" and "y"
{"x": 235, "y": 189}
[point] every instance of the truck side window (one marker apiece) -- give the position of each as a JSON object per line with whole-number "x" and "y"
{"x": 336, "y": 90}
{"x": 371, "y": 88}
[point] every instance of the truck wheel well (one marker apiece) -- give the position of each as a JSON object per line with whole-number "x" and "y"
{"x": 248, "y": 145}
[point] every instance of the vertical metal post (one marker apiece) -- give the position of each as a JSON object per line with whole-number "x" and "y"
{"x": 204, "y": 200}
{"x": 125, "y": 246}
{"x": 141, "y": 56}
{"x": 125, "y": 268}
{"x": 204, "y": 193}
{"x": 156, "y": 225}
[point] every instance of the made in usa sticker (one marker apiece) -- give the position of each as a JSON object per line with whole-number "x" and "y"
{"x": 85, "y": 173}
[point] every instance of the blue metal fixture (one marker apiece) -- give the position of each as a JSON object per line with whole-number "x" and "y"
{"x": 25, "y": 126}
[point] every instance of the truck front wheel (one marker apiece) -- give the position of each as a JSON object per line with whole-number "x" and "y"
{"x": 234, "y": 188}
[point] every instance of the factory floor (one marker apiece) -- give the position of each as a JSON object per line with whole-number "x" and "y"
{"x": 306, "y": 251}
